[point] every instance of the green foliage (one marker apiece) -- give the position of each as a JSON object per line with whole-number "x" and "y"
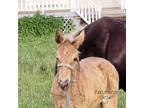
{"x": 38, "y": 25}
{"x": 122, "y": 99}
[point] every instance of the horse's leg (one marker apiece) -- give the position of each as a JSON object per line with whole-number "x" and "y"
{"x": 111, "y": 99}
{"x": 59, "y": 105}
{"x": 99, "y": 106}
{"x": 59, "y": 102}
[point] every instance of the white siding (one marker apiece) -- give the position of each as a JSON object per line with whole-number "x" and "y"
{"x": 109, "y": 3}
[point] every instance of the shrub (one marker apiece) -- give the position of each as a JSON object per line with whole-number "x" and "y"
{"x": 39, "y": 25}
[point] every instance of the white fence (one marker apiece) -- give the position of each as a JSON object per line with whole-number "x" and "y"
{"x": 123, "y": 4}
{"x": 33, "y": 5}
{"x": 88, "y": 10}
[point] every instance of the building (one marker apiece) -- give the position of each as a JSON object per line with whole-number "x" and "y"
{"x": 85, "y": 11}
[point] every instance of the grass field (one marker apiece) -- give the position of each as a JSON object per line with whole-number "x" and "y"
{"x": 36, "y": 63}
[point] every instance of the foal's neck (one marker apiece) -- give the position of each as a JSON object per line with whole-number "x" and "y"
{"x": 75, "y": 73}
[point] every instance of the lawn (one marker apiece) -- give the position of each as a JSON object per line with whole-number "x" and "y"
{"x": 36, "y": 62}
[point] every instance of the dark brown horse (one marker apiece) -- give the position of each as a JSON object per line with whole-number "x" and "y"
{"x": 106, "y": 38}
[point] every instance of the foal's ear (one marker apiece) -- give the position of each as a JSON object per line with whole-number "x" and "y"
{"x": 79, "y": 39}
{"x": 58, "y": 36}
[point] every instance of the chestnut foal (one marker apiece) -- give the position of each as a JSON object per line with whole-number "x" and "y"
{"x": 90, "y": 83}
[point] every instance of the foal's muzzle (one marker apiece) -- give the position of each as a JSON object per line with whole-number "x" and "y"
{"x": 64, "y": 84}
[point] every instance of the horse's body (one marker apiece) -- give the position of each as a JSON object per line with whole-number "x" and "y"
{"x": 106, "y": 38}
{"x": 91, "y": 83}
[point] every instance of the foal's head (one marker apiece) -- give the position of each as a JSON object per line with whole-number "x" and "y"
{"x": 67, "y": 58}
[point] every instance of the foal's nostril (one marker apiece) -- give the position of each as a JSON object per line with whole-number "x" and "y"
{"x": 63, "y": 84}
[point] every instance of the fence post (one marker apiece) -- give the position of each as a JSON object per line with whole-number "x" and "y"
{"x": 21, "y": 5}
{"x": 99, "y": 9}
{"x": 123, "y": 4}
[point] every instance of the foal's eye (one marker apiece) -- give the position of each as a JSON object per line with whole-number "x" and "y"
{"x": 57, "y": 59}
{"x": 75, "y": 59}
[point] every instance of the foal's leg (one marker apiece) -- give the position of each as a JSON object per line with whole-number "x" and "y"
{"x": 99, "y": 106}
{"x": 111, "y": 99}
{"x": 59, "y": 102}
{"x": 112, "y": 90}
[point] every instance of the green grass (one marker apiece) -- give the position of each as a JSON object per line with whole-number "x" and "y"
{"x": 122, "y": 99}
{"x": 36, "y": 63}
{"x": 36, "y": 68}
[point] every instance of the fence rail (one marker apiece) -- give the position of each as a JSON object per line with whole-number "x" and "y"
{"x": 88, "y": 10}
{"x": 33, "y": 5}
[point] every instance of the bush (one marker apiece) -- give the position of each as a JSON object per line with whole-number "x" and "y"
{"x": 39, "y": 25}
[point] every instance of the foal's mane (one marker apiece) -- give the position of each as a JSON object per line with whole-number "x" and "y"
{"x": 71, "y": 36}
